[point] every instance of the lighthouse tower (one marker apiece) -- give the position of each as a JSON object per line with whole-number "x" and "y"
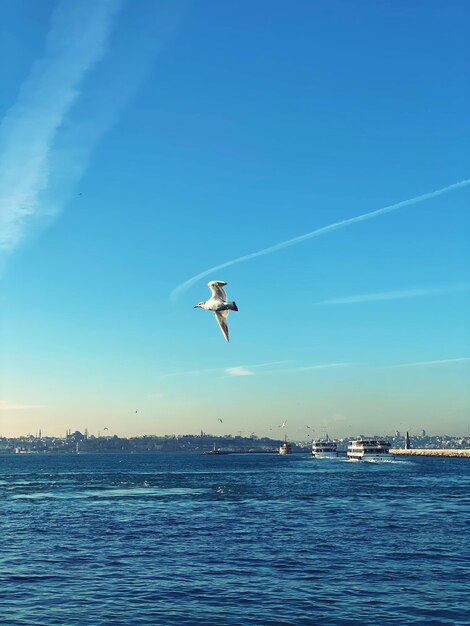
{"x": 407, "y": 441}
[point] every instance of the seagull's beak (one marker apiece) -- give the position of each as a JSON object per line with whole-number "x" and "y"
{"x": 196, "y": 307}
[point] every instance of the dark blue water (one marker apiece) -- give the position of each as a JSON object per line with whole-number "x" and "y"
{"x": 242, "y": 539}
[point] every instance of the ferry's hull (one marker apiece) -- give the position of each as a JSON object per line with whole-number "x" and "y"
{"x": 371, "y": 457}
{"x": 325, "y": 455}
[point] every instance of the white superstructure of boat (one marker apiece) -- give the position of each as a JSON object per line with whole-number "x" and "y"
{"x": 324, "y": 448}
{"x": 285, "y": 447}
{"x": 363, "y": 449}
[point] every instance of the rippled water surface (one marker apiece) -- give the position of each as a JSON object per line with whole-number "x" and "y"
{"x": 111, "y": 540}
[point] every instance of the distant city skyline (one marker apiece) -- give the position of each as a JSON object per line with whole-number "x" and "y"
{"x": 147, "y": 148}
{"x": 206, "y": 443}
{"x": 301, "y": 432}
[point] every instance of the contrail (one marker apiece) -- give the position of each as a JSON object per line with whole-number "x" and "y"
{"x": 397, "y": 295}
{"x": 76, "y": 41}
{"x": 438, "y": 362}
{"x": 48, "y": 135}
{"x": 319, "y": 231}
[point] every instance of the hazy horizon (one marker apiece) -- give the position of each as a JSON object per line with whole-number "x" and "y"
{"x": 296, "y": 432}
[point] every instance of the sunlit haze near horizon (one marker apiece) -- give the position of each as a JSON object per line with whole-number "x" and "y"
{"x": 312, "y": 155}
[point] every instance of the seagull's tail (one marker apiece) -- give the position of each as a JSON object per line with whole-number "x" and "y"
{"x": 233, "y": 306}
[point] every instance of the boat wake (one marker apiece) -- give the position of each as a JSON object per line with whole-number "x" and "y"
{"x": 131, "y": 492}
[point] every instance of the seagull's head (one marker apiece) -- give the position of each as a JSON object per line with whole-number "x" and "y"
{"x": 200, "y": 305}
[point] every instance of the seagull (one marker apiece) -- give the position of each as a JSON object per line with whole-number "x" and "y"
{"x": 220, "y": 420}
{"x": 219, "y": 305}
{"x": 283, "y": 425}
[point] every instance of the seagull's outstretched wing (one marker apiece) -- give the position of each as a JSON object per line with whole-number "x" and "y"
{"x": 217, "y": 289}
{"x": 221, "y": 317}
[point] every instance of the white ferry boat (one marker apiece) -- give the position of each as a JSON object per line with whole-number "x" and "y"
{"x": 285, "y": 447}
{"x": 368, "y": 449}
{"x": 324, "y": 449}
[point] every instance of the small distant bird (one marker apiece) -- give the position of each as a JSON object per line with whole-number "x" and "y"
{"x": 308, "y": 426}
{"x": 283, "y": 425}
{"x": 105, "y": 428}
{"x": 220, "y": 420}
{"x": 219, "y": 305}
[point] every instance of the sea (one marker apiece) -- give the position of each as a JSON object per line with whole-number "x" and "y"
{"x": 242, "y": 539}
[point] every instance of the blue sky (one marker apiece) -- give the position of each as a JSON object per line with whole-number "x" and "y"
{"x": 143, "y": 143}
